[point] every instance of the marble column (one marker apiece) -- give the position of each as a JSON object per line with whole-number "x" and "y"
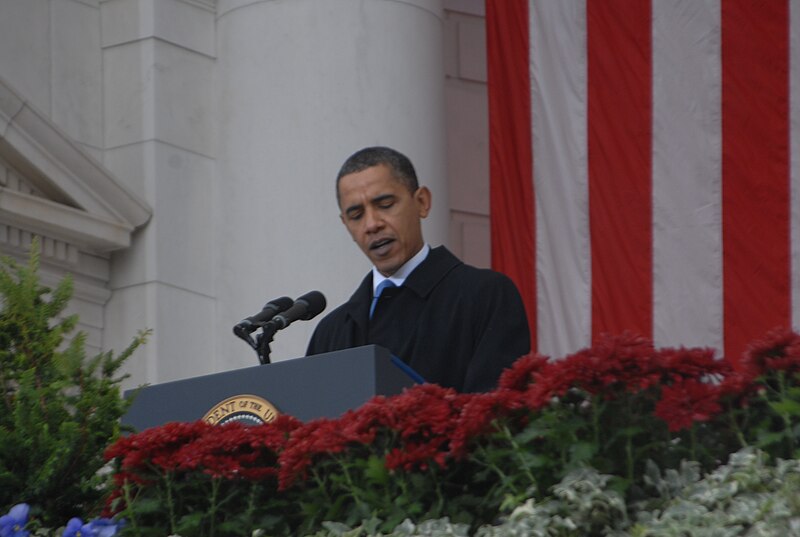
{"x": 301, "y": 86}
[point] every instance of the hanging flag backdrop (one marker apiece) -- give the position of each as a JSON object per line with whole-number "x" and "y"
{"x": 645, "y": 167}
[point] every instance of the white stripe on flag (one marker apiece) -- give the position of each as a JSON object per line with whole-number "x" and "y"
{"x": 687, "y": 173}
{"x": 559, "y": 116}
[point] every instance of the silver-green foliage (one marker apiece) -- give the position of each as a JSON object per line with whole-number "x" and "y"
{"x": 441, "y": 527}
{"x": 746, "y": 497}
{"x": 581, "y": 504}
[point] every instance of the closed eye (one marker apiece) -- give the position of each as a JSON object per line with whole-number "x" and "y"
{"x": 385, "y": 202}
{"x": 354, "y": 213}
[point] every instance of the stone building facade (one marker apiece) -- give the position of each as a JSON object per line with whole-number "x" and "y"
{"x": 178, "y": 156}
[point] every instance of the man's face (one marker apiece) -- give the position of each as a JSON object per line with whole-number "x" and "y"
{"x": 383, "y": 217}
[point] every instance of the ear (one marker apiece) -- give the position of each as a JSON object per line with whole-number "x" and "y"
{"x": 422, "y": 197}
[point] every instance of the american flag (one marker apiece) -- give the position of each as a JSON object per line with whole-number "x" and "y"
{"x": 645, "y": 167}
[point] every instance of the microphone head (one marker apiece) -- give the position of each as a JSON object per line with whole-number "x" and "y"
{"x": 280, "y": 304}
{"x": 243, "y": 329}
{"x": 316, "y": 303}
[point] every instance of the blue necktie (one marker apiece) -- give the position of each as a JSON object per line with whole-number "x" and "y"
{"x": 381, "y": 286}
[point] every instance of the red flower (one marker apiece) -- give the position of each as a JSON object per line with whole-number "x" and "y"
{"x": 364, "y": 424}
{"x": 778, "y": 350}
{"x": 686, "y": 402}
{"x": 416, "y": 456}
{"x": 692, "y": 363}
{"x": 479, "y": 414}
{"x": 628, "y": 363}
{"x": 522, "y": 373}
{"x": 311, "y": 439}
{"x": 230, "y": 451}
{"x": 421, "y": 420}
{"x": 156, "y": 445}
{"x": 737, "y": 386}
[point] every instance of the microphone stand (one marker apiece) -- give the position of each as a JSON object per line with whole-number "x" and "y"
{"x": 246, "y": 338}
{"x": 261, "y": 343}
{"x": 264, "y": 339}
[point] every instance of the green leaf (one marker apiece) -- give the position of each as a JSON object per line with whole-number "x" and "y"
{"x": 786, "y": 407}
{"x": 582, "y": 451}
{"x": 376, "y": 471}
{"x": 533, "y": 431}
{"x": 190, "y": 524}
{"x": 766, "y": 438}
{"x": 146, "y": 506}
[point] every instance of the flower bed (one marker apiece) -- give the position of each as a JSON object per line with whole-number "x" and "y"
{"x": 593, "y": 444}
{"x": 620, "y": 409}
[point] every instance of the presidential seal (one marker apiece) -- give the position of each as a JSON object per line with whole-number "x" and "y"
{"x": 248, "y": 409}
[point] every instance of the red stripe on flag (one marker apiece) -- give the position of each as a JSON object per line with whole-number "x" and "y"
{"x": 511, "y": 160}
{"x": 620, "y": 162}
{"x": 755, "y": 169}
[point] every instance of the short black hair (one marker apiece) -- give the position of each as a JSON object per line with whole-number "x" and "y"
{"x": 398, "y": 164}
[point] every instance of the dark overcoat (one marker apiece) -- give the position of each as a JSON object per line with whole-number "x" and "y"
{"x": 456, "y": 325}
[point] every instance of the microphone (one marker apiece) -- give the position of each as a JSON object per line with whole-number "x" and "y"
{"x": 304, "y": 308}
{"x": 270, "y": 309}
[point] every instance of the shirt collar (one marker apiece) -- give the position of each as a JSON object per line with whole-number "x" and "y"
{"x": 402, "y": 273}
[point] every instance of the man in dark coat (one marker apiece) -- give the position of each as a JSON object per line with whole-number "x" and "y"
{"x": 456, "y": 325}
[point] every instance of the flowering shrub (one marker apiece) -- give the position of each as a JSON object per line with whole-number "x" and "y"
{"x": 431, "y": 453}
{"x": 612, "y": 407}
{"x": 196, "y": 479}
{"x": 763, "y": 399}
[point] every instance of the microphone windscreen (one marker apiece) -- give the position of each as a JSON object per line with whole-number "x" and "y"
{"x": 280, "y": 304}
{"x": 316, "y": 303}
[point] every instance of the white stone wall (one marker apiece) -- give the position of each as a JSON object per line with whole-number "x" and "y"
{"x": 49, "y": 53}
{"x": 59, "y": 257}
{"x": 159, "y": 135}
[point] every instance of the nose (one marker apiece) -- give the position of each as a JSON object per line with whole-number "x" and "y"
{"x": 372, "y": 220}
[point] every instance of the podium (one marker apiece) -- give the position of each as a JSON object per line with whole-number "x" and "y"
{"x": 323, "y": 385}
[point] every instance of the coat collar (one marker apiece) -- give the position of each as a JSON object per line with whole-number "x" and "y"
{"x": 421, "y": 281}
{"x": 431, "y": 271}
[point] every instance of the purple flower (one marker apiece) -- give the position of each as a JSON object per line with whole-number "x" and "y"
{"x": 105, "y": 527}
{"x": 99, "y": 527}
{"x": 13, "y": 523}
{"x": 74, "y": 528}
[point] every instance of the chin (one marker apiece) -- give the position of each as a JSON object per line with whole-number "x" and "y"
{"x": 387, "y": 270}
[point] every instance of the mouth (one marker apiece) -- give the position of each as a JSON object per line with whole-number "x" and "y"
{"x": 381, "y": 246}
